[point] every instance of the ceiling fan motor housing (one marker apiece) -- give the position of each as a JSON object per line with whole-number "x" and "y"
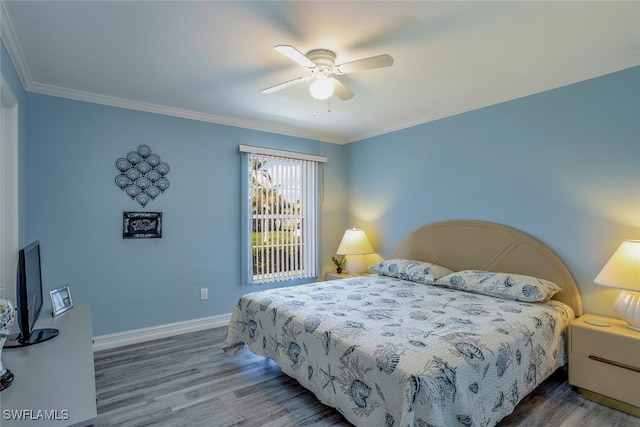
{"x": 322, "y": 57}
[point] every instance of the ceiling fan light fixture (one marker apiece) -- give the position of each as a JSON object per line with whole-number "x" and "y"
{"x": 321, "y": 88}
{"x": 321, "y": 63}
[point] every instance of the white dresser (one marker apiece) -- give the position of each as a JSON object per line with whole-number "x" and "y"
{"x": 54, "y": 382}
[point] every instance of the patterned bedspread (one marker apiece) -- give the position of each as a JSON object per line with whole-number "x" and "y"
{"x": 389, "y": 352}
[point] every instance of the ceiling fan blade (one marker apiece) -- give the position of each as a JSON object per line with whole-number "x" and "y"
{"x": 379, "y": 61}
{"x": 341, "y": 91}
{"x": 285, "y": 84}
{"x": 295, "y": 55}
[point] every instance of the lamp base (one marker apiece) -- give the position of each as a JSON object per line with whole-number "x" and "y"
{"x": 628, "y": 307}
{"x": 355, "y": 264}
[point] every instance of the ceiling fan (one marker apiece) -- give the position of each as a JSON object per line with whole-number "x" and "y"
{"x": 321, "y": 65}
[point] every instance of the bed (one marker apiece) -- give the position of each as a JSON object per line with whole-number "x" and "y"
{"x": 417, "y": 344}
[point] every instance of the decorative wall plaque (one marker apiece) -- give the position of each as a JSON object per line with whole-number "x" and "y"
{"x": 141, "y": 225}
{"x": 142, "y": 175}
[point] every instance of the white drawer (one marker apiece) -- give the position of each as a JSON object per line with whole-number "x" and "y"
{"x": 604, "y": 378}
{"x": 616, "y": 343}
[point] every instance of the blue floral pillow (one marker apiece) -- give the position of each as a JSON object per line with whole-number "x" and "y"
{"x": 502, "y": 285}
{"x": 415, "y": 271}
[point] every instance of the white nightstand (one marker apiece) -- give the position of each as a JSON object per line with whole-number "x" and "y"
{"x": 604, "y": 362}
{"x": 337, "y": 276}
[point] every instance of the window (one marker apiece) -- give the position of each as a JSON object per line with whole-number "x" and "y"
{"x": 281, "y": 214}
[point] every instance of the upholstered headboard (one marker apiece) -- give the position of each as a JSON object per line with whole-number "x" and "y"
{"x": 479, "y": 245}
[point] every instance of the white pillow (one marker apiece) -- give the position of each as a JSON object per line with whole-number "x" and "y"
{"x": 406, "y": 269}
{"x": 502, "y": 285}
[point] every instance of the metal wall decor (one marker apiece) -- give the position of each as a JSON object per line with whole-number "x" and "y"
{"x": 142, "y": 175}
{"x": 141, "y": 225}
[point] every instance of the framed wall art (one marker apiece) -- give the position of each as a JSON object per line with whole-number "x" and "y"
{"x": 141, "y": 225}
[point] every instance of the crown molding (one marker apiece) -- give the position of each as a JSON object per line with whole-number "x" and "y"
{"x": 13, "y": 48}
{"x": 556, "y": 82}
{"x": 549, "y": 84}
{"x": 111, "y": 101}
{"x": 8, "y": 36}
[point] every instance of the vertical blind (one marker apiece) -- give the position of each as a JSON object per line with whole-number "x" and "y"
{"x": 283, "y": 205}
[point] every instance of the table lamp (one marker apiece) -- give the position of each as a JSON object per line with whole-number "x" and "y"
{"x": 623, "y": 272}
{"x": 353, "y": 246}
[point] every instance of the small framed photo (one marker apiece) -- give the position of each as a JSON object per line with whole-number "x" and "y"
{"x": 60, "y": 300}
{"x": 141, "y": 225}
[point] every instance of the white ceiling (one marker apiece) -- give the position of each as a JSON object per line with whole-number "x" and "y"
{"x": 209, "y": 60}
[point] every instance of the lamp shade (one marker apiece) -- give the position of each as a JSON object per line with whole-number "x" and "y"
{"x": 623, "y": 269}
{"x": 354, "y": 246}
{"x": 623, "y": 272}
{"x": 354, "y": 242}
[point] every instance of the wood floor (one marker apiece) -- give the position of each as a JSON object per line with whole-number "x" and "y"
{"x": 189, "y": 381}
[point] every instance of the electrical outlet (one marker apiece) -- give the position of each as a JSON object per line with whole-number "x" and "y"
{"x": 204, "y": 294}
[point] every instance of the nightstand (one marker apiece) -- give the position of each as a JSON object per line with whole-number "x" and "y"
{"x": 336, "y": 276}
{"x": 604, "y": 362}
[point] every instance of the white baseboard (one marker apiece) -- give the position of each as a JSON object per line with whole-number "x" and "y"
{"x": 135, "y": 336}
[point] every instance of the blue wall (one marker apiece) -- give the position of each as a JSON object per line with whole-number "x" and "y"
{"x": 75, "y": 210}
{"x": 563, "y": 166}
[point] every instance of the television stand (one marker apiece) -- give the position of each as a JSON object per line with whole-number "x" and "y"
{"x": 54, "y": 382}
{"x": 37, "y": 336}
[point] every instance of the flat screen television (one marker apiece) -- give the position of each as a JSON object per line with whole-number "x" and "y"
{"x": 29, "y": 299}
